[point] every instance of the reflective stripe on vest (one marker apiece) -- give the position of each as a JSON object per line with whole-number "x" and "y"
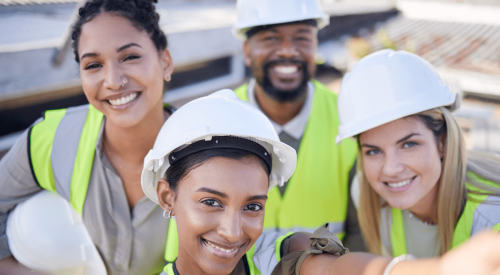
{"x": 317, "y": 192}
{"x": 470, "y": 222}
{"x": 62, "y": 157}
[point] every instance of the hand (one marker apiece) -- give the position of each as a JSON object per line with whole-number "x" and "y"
{"x": 479, "y": 256}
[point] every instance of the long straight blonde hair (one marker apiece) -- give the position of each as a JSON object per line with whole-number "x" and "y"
{"x": 452, "y": 191}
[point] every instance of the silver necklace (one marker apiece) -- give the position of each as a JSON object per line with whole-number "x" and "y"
{"x": 416, "y": 218}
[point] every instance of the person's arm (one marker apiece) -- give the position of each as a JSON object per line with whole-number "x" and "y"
{"x": 17, "y": 184}
{"x": 479, "y": 256}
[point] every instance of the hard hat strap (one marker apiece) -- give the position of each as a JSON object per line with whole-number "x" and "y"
{"x": 223, "y": 142}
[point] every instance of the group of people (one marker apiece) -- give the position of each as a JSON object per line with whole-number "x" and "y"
{"x": 281, "y": 176}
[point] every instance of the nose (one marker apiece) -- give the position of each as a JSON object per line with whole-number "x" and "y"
{"x": 287, "y": 49}
{"x": 392, "y": 165}
{"x": 113, "y": 77}
{"x": 230, "y": 226}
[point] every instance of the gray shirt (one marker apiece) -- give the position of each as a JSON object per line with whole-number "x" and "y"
{"x": 129, "y": 241}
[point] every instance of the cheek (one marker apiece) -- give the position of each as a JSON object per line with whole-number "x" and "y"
{"x": 430, "y": 166}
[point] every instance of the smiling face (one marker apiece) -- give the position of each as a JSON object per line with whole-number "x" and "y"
{"x": 121, "y": 70}
{"x": 219, "y": 209}
{"x": 402, "y": 163}
{"x": 282, "y": 59}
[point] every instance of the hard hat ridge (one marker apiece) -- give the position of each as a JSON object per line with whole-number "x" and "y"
{"x": 385, "y": 86}
{"x": 253, "y": 13}
{"x": 223, "y": 117}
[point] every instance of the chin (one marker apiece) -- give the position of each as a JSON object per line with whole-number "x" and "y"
{"x": 219, "y": 268}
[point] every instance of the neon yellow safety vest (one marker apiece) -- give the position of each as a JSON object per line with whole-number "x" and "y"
{"x": 317, "y": 193}
{"x": 249, "y": 264}
{"x": 42, "y": 137}
{"x": 468, "y": 224}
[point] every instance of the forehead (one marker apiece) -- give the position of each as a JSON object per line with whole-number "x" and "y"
{"x": 395, "y": 130}
{"x": 245, "y": 177}
{"x": 288, "y": 29}
{"x": 115, "y": 30}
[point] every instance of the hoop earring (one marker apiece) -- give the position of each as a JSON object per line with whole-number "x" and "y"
{"x": 168, "y": 78}
{"x": 167, "y": 215}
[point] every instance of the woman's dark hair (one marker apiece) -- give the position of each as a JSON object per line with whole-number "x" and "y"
{"x": 181, "y": 168}
{"x": 141, "y": 14}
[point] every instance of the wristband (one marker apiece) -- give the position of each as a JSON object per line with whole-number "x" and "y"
{"x": 404, "y": 257}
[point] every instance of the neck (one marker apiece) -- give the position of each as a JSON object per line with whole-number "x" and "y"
{"x": 426, "y": 209}
{"x": 133, "y": 143}
{"x": 279, "y": 112}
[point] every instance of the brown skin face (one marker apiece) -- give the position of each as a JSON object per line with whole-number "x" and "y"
{"x": 111, "y": 49}
{"x": 295, "y": 41}
{"x": 280, "y": 45}
{"x": 402, "y": 162}
{"x": 219, "y": 208}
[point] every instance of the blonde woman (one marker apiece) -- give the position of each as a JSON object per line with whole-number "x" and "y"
{"x": 421, "y": 192}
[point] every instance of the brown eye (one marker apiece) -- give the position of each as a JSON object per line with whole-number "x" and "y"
{"x": 211, "y": 202}
{"x": 253, "y": 207}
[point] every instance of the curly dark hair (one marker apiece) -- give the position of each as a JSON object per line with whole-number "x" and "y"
{"x": 141, "y": 13}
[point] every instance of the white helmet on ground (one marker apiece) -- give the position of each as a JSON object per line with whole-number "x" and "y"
{"x": 385, "y": 86}
{"x": 219, "y": 114}
{"x": 253, "y": 13}
{"x": 46, "y": 234}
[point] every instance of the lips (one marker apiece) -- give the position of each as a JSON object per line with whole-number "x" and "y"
{"x": 400, "y": 185}
{"x": 123, "y": 100}
{"x": 224, "y": 252}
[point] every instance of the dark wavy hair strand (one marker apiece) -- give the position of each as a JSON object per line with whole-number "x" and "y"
{"x": 141, "y": 13}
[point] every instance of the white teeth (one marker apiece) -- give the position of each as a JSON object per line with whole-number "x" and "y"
{"x": 123, "y": 100}
{"x": 220, "y": 248}
{"x": 399, "y": 184}
{"x": 286, "y": 69}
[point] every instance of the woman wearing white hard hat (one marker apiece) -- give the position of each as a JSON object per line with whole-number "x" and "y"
{"x": 421, "y": 193}
{"x": 211, "y": 174}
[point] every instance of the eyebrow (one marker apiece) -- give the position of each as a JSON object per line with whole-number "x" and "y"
{"x": 215, "y": 192}
{"x": 122, "y": 48}
{"x": 304, "y": 30}
{"x": 407, "y": 137}
{"x": 223, "y": 195}
{"x": 89, "y": 55}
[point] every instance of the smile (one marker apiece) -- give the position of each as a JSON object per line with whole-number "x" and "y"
{"x": 221, "y": 252}
{"x": 288, "y": 69}
{"x": 123, "y": 100}
{"x": 400, "y": 184}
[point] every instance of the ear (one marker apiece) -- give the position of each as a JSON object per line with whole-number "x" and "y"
{"x": 246, "y": 54}
{"x": 166, "y": 196}
{"x": 166, "y": 64}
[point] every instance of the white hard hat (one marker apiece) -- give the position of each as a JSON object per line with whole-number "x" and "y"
{"x": 385, "y": 86}
{"x": 46, "y": 234}
{"x": 252, "y": 13}
{"x": 219, "y": 114}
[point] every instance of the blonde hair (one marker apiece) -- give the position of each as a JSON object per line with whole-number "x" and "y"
{"x": 452, "y": 191}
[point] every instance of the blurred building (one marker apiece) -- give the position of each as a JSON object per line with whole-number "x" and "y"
{"x": 460, "y": 38}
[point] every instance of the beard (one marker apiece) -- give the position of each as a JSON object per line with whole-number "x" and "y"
{"x": 284, "y": 95}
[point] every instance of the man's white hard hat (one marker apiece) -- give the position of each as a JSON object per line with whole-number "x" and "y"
{"x": 219, "y": 114}
{"x": 388, "y": 85}
{"x": 46, "y": 234}
{"x": 253, "y": 13}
